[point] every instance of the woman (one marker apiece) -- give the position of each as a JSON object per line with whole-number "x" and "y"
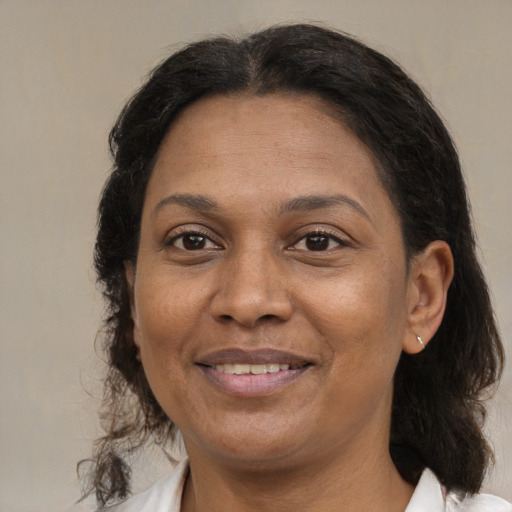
{"x": 286, "y": 251}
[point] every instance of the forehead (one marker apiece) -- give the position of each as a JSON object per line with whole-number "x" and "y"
{"x": 277, "y": 145}
{"x": 290, "y": 117}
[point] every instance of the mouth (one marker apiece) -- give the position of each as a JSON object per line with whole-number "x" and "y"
{"x": 252, "y": 373}
{"x": 253, "y": 369}
{"x": 271, "y": 359}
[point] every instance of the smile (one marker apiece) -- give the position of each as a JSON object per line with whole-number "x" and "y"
{"x": 253, "y": 373}
{"x": 251, "y": 369}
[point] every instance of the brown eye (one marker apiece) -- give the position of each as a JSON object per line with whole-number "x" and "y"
{"x": 192, "y": 242}
{"x": 317, "y": 242}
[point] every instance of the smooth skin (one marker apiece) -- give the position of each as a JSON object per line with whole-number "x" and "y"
{"x": 266, "y": 226}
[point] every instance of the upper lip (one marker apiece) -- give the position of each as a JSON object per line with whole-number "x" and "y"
{"x": 259, "y": 356}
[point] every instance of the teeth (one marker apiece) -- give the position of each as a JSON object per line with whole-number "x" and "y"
{"x": 241, "y": 369}
{"x": 254, "y": 369}
{"x": 229, "y": 368}
{"x": 258, "y": 369}
{"x": 273, "y": 368}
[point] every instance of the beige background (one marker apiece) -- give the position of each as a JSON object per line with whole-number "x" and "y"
{"x": 67, "y": 67}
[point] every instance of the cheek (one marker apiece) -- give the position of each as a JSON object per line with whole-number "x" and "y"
{"x": 166, "y": 314}
{"x": 166, "y": 307}
{"x": 361, "y": 312}
{"x": 165, "y": 320}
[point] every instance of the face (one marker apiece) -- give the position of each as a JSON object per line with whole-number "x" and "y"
{"x": 270, "y": 291}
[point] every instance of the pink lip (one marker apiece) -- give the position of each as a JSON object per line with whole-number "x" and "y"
{"x": 252, "y": 385}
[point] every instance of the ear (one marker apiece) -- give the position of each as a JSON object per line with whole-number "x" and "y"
{"x": 430, "y": 276}
{"x": 129, "y": 272}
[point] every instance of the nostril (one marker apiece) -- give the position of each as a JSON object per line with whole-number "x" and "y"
{"x": 250, "y": 306}
{"x": 261, "y": 318}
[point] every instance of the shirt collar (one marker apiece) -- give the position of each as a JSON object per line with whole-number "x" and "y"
{"x": 428, "y": 495}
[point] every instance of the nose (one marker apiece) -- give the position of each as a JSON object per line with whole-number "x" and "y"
{"x": 251, "y": 290}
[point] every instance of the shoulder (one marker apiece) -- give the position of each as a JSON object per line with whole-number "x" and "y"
{"x": 162, "y": 496}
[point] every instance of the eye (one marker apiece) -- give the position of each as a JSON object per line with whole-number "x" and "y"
{"x": 318, "y": 242}
{"x": 192, "y": 242}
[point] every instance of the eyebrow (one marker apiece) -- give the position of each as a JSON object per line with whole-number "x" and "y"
{"x": 297, "y": 204}
{"x": 192, "y": 201}
{"x": 316, "y": 202}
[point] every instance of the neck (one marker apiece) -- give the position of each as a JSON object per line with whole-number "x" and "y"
{"x": 357, "y": 481}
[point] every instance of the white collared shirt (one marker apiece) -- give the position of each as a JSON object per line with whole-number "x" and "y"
{"x": 429, "y": 496}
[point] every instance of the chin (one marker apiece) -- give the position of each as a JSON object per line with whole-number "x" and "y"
{"x": 254, "y": 446}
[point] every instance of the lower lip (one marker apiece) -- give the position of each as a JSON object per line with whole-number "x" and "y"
{"x": 249, "y": 385}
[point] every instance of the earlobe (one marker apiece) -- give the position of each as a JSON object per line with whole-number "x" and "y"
{"x": 430, "y": 276}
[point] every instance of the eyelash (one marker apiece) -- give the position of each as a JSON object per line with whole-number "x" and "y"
{"x": 191, "y": 233}
{"x": 327, "y": 235}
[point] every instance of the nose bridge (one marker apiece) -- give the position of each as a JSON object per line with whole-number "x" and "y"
{"x": 252, "y": 287}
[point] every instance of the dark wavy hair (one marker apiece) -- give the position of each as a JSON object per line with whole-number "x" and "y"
{"x": 438, "y": 412}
